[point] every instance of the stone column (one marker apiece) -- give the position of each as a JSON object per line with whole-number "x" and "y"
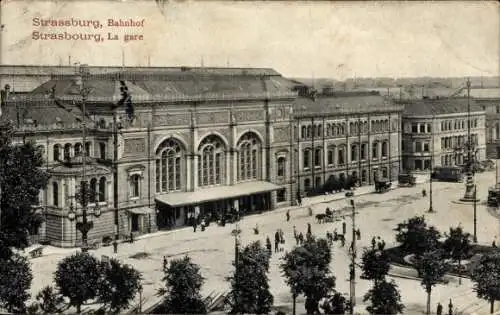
{"x": 189, "y": 175}
{"x": 234, "y": 166}
{"x": 263, "y": 164}
{"x": 236, "y": 204}
{"x": 227, "y": 170}
{"x": 109, "y": 193}
{"x": 273, "y": 200}
{"x": 195, "y": 170}
{"x": 64, "y": 186}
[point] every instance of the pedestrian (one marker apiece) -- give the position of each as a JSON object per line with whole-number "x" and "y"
{"x": 344, "y": 227}
{"x": 299, "y": 199}
{"x": 358, "y": 234}
{"x": 439, "y": 309}
{"x": 282, "y": 236}
{"x": 450, "y": 308}
{"x": 310, "y": 211}
{"x": 373, "y": 242}
{"x": 131, "y": 238}
{"x": 342, "y": 241}
{"x": 309, "y": 232}
{"x": 301, "y": 238}
{"x": 494, "y": 244}
{"x": 288, "y": 216}
{"x": 203, "y": 224}
{"x": 165, "y": 263}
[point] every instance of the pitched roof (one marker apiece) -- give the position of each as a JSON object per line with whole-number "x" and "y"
{"x": 344, "y": 103}
{"x": 434, "y": 107}
{"x": 40, "y": 112}
{"x": 175, "y": 85}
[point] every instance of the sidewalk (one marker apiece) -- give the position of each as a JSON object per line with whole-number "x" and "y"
{"x": 306, "y": 202}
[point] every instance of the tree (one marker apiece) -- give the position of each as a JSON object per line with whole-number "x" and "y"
{"x": 183, "y": 283}
{"x": 49, "y": 300}
{"x": 307, "y": 272}
{"x": 416, "y": 237}
{"x": 384, "y": 298}
{"x": 375, "y": 264}
{"x": 335, "y": 304}
{"x": 431, "y": 268}
{"x": 249, "y": 285}
{"x": 457, "y": 246}
{"x": 15, "y": 283}
{"x": 487, "y": 279}
{"x": 77, "y": 277}
{"x": 21, "y": 178}
{"x": 118, "y": 285}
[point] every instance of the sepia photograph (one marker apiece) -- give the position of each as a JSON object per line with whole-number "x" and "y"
{"x": 249, "y": 157}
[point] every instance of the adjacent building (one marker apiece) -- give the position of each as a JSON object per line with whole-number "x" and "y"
{"x": 345, "y": 134}
{"x": 434, "y": 132}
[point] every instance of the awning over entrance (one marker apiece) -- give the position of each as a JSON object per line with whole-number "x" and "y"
{"x": 216, "y": 193}
{"x": 141, "y": 210}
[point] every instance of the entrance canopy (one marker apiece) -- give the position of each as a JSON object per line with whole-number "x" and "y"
{"x": 141, "y": 210}
{"x": 216, "y": 193}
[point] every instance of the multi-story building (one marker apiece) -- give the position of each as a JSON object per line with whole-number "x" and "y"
{"x": 435, "y": 132}
{"x": 341, "y": 134}
{"x": 489, "y": 100}
{"x": 201, "y": 141}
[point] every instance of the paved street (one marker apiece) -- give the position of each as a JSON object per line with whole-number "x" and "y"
{"x": 378, "y": 214}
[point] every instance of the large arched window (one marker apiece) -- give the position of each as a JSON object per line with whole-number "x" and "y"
{"x": 249, "y": 147}
{"x": 93, "y": 190}
{"x": 281, "y": 166}
{"x": 211, "y": 163}
{"x": 56, "y": 152}
{"x": 55, "y": 194}
{"x": 168, "y": 166}
{"x": 102, "y": 189}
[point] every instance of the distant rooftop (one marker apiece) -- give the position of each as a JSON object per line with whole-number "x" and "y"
{"x": 436, "y": 107}
{"x": 342, "y": 103}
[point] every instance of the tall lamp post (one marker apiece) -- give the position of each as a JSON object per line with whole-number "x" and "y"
{"x": 352, "y": 266}
{"x": 432, "y": 168}
{"x": 83, "y": 195}
{"x": 236, "y": 234}
{"x": 469, "y": 184}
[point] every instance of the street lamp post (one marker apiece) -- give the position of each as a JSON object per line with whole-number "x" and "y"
{"x": 432, "y": 168}
{"x": 236, "y": 232}
{"x": 352, "y": 266}
{"x": 469, "y": 184}
{"x": 475, "y": 213}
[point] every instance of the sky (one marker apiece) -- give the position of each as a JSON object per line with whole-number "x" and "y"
{"x": 298, "y": 39}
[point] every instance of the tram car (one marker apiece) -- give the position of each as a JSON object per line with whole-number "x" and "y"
{"x": 448, "y": 174}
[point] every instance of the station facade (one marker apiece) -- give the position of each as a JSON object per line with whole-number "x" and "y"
{"x": 200, "y": 142}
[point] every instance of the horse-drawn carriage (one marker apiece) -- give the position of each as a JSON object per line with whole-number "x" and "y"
{"x": 382, "y": 186}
